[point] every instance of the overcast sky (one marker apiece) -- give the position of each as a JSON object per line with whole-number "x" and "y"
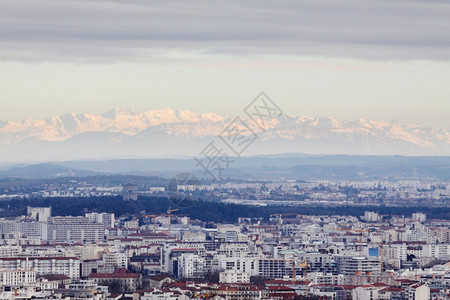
{"x": 380, "y": 60}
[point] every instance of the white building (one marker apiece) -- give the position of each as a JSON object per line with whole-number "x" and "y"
{"x": 26, "y": 227}
{"x": 232, "y": 276}
{"x": 248, "y": 265}
{"x": 371, "y": 216}
{"x": 419, "y": 217}
{"x": 365, "y": 293}
{"x": 131, "y": 224}
{"x": 16, "y": 277}
{"x": 106, "y": 219}
{"x": 74, "y": 228}
{"x": 10, "y": 251}
{"x": 41, "y": 214}
{"x": 348, "y": 265}
{"x": 69, "y": 266}
{"x": 191, "y": 266}
{"x": 418, "y": 292}
{"x": 436, "y": 250}
{"x": 113, "y": 261}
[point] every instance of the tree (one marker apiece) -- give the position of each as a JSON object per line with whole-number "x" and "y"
{"x": 114, "y": 286}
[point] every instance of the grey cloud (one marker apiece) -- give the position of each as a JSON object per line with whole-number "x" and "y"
{"x": 124, "y": 30}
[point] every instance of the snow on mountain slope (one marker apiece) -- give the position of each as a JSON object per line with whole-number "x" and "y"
{"x": 122, "y": 132}
{"x": 127, "y": 121}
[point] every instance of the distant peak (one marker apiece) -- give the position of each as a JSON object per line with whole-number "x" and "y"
{"x": 116, "y": 111}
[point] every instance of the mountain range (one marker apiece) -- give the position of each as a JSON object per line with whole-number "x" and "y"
{"x": 127, "y": 133}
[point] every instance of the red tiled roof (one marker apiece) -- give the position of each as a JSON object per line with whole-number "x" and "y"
{"x": 118, "y": 273}
{"x": 283, "y": 282}
{"x": 283, "y": 295}
{"x": 379, "y": 284}
{"x": 159, "y": 277}
{"x": 392, "y": 289}
{"x": 178, "y": 284}
{"x": 279, "y": 288}
{"x": 344, "y": 286}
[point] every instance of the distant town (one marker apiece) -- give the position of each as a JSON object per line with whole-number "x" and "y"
{"x": 257, "y": 192}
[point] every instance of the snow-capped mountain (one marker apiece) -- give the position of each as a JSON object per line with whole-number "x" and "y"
{"x": 127, "y": 121}
{"x": 167, "y": 132}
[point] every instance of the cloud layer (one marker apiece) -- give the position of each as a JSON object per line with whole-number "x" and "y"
{"x": 132, "y": 30}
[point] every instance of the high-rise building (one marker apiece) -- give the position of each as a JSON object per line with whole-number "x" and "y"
{"x": 74, "y": 228}
{"x": 106, "y": 219}
{"x": 130, "y": 192}
{"x": 41, "y": 214}
{"x": 419, "y": 217}
{"x": 30, "y": 229}
{"x": 349, "y": 265}
{"x": 69, "y": 266}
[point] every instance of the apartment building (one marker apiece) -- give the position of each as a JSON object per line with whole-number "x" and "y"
{"x": 69, "y": 266}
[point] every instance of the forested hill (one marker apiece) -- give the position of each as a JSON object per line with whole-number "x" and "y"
{"x": 202, "y": 210}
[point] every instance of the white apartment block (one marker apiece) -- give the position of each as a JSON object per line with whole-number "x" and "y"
{"x": 419, "y": 217}
{"x": 248, "y": 265}
{"x": 10, "y": 251}
{"x": 74, "y": 228}
{"x": 106, "y": 219}
{"x": 418, "y": 292}
{"x": 113, "y": 261}
{"x": 69, "y": 266}
{"x": 90, "y": 252}
{"x": 191, "y": 266}
{"x": 348, "y": 265}
{"x": 41, "y": 214}
{"x": 17, "y": 277}
{"x": 436, "y": 250}
{"x": 365, "y": 293}
{"x": 232, "y": 276}
{"x": 27, "y": 228}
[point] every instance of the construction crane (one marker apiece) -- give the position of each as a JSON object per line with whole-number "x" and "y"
{"x": 169, "y": 213}
{"x": 381, "y": 253}
{"x": 360, "y": 237}
{"x": 293, "y": 265}
{"x": 303, "y": 264}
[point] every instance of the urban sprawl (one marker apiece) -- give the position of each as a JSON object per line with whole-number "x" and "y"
{"x": 289, "y": 256}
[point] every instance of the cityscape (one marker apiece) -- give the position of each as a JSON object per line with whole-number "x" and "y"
{"x": 225, "y": 150}
{"x": 171, "y": 256}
